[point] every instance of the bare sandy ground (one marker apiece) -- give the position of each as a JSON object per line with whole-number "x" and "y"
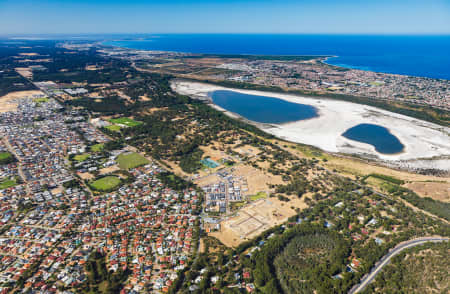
{"x": 9, "y": 101}
{"x": 257, "y": 180}
{"x": 436, "y": 190}
{"x": 427, "y": 145}
{"x": 255, "y": 218}
{"x": 25, "y": 72}
{"x": 86, "y": 176}
{"x": 108, "y": 170}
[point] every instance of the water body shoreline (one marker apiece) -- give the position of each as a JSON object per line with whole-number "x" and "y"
{"x": 401, "y": 55}
{"x": 377, "y": 136}
{"x": 426, "y": 145}
{"x": 262, "y": 109}
{"x": 325, "y": 60}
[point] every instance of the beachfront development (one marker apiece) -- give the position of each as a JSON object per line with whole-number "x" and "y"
{"x": 308, "y": 74}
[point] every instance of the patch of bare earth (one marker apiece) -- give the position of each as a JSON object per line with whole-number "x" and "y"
{"x": 436, "y": 190}
{"x": 24, "y": 72}
{"x": 255, "y": 218}
{"x": 9, "y": 101}
{"x": 86, "y": 176}
{"x": 257, "y": 180}
{"x": 109, "y": 169}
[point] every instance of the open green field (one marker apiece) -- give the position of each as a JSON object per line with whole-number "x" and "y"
{"x": 259, "y": 195}
{"x": 228, "y": 163}
{"x": 97, "y": 147}
{"x": 125, "y": 121}
{"x": 237, "y": 205}
{"x": 311, "y": 152}
{"x": 6, "y": 157}
{"x": 386, "y": 178}
{"x": 81, "y": 157}
{"x": 114, "y": 128}
{"x": 105, "y": 184}
{"x": 41, "y": 100}
{"x": 131, "y": 160}
{"x": 6, "y": 183}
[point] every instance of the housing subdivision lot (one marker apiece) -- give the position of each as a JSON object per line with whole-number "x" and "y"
{"x": 255, "y": 218}
{"x": 52, "y": 225}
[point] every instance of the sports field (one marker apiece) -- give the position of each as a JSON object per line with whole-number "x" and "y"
{"x": 131, "y": 160}
{"x": 114, "y": 128}
{"x": 40, "y": 100}
{"x": 125, "y": 121}
{"x": 97, "y": 147}
{"x": 6, "y": 183}
{"x": 106, "y": 183}
{"x": 81, "y": 157}
{"x": 5, "y": 157}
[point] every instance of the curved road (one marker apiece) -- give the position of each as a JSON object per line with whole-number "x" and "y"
{"x": 367, "y": 279}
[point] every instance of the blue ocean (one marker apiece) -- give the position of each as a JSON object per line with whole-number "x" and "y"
{"x": 423, "y": 56}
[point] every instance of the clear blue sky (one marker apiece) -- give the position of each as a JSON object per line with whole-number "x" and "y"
{"x": 225, "y": 16}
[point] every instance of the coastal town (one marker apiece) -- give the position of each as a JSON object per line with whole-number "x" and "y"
{"x": 112, "y": 182}
{"x": 56, "y": 227}
{"x": 308, "y": 74}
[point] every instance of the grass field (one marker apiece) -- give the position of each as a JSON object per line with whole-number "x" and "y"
{"x": 6, "y": 183}
{"x": 237, "y": 205}
{"x": 40, "y": 100}
{"x": 257, "y": 196}
{"x": 106, "y": 183}
{"x": 5, "y": 157}
{"x": 125, "y": 121}
{"x": 381, "y": 185}
{"x": 386, "y": 178}
{"x": 97, "y": 147}
{"x": 310, "y": 152}
{"x": 131, "y": 160}
{"x": 114, "y": 128}
{"x": 81, "y": 157}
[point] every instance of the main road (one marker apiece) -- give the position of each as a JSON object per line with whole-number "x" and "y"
{"x": 367, "y": 279}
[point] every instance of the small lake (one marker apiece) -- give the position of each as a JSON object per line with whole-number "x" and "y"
{"x": 262, "y": 109}
{"x": 375, "y": 135}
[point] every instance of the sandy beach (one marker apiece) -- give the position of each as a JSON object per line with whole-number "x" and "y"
{"x": 427, "y": 145}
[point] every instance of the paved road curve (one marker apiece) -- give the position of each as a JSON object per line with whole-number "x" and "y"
{"x": 367, "y": 279}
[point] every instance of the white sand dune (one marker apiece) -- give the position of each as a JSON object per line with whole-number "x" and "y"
{"x": 422, "y": 140}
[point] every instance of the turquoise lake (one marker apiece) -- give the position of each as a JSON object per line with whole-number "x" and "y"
{"x": 375, "y": 135}
{"x": 262, "y": 109}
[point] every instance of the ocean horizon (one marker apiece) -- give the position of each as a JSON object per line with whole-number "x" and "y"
{"x": 421, "y": 56}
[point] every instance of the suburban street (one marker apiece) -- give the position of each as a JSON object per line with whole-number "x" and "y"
{"x": 367, "y": 279}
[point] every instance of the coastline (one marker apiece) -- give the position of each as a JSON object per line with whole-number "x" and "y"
{"x": 324, "y": 60}
{"x": 325, "y": 131}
